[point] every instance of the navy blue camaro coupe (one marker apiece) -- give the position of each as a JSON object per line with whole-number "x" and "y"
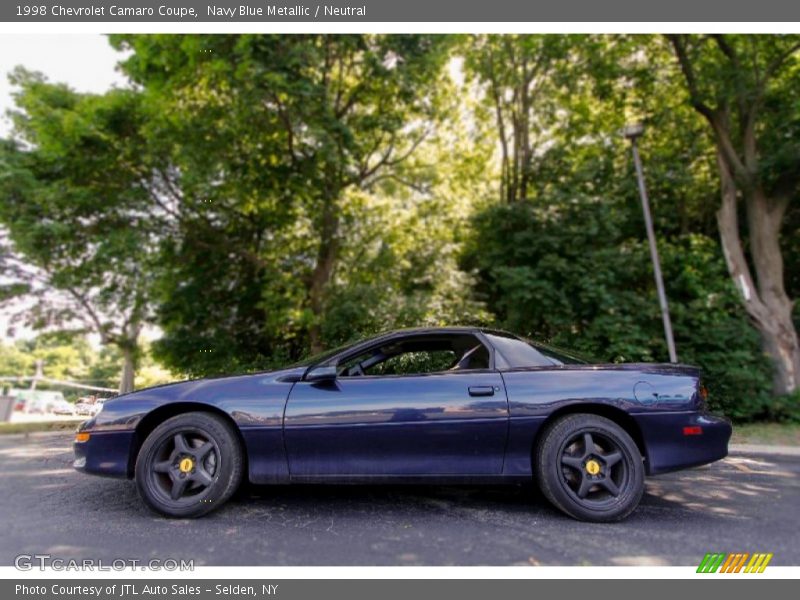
{"x": 444, "y": 405}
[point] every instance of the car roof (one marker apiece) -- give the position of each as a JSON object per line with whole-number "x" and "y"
{"x": 426, "y": 330}
{"x": 440, "y": 330}
{"x": 432, "y": 331}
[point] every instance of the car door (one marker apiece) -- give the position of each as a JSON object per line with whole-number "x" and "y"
{"x": 443, "y": 423}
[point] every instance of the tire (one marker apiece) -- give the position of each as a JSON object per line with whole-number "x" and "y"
{"x": 599, "y": 478}
{"x": 190, "y": 465}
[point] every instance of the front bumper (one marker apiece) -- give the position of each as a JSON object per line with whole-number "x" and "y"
{"x": 105, "y": 453}
{"x": 669, "y": 448}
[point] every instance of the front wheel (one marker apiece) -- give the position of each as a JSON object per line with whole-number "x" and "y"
{"x": 189, "y": 465}
{"x": 590, "y": 468}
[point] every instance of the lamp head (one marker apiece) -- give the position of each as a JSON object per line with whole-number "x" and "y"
{"x": 633, "y": 130}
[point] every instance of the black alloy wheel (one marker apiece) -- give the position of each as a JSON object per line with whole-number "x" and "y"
{"x": 189, "y": 465}
{"x": 590, "y": 468}
{"x": 185, "y": 467}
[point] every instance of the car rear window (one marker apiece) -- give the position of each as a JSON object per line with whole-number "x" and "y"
{"x": 523, "y": 353}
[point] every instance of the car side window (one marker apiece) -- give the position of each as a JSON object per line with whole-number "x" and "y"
{"x": 418, "y": 356}
{"x": 352, "y": 366}
{"x": 415, "y": 363}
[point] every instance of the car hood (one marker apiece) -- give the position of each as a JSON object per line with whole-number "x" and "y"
{"x": 207, "y": 386}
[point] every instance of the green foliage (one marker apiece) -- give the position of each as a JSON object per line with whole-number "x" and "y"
{"x": 568, "y": 274}
{"x": 570, "y": 264}
{"x": 79, "y": 241}
{"x": 784, "y": 409}
{"x": 15, "y": 360}
{"x": 259, "y": 197}
{"x": 747, "y": 77}
{"x": 415, "y": 362}
{"x": 712, "y": 329}
{"x": 69, "y": 357}
{"x": 269, "y": 137}
{"x": 64, "y": 356}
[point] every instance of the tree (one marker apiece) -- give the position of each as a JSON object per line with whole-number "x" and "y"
{"x": 570, "y": 273}
{"x": 569, "y": 263}
{"x": 523, "y": 83}
{"x": 401, "y": 242}
{"x": 745, "y": 87}
{"x": 80, "y": 243}
{"x": 271, "y": 133}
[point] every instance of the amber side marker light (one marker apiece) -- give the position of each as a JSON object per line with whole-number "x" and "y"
{"x": 696, "y": 430}
{"x": 82, "y": 436}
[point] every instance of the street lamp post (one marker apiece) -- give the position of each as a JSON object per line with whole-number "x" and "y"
{"x": 633, "y": 132}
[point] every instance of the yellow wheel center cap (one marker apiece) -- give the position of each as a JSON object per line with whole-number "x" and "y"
{"x": 186, "y": 465}
{"x": 592, "y": 467}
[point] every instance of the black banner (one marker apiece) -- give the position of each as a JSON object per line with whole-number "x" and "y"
{"x": 396, "y": 589}
{"x": 400, "y": 11}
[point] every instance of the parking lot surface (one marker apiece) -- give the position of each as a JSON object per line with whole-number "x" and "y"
{"x": 747, "y": 503}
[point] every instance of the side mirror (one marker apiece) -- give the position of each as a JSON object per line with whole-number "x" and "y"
{"x": 319, "y": 374}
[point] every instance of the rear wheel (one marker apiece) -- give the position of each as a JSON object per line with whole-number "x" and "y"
{"x": 189, "y": 465}
{"x": 590, "y": 468}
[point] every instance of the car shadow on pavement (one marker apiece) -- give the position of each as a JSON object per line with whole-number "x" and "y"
{"x": 392, "y": 497}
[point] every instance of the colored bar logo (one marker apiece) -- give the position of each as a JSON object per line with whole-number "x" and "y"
{"x": 735, "y": 562}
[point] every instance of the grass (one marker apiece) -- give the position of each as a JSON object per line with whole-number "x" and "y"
{"x": 774, "y": 434}
{"x": 7, "y": 428}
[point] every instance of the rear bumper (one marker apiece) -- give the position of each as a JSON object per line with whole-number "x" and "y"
{"x": 669, "y": 448}
{"x": 105, "y": 453}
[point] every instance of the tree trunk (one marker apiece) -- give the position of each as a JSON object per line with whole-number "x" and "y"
{"x": 765, "y": 300}
{"x": 778, "y": 332}
{"x": 323, "y": 271}
{"x": 128, "y": 369}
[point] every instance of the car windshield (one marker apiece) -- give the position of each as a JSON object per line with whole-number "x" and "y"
{"x": 322, "y": 356}
{"x": 519, "y": 352}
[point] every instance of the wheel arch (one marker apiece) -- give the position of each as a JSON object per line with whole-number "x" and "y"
{"x": 612, "y": 413}
{"x": 161, "y": 413}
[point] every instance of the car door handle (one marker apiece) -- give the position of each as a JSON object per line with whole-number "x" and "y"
{"x": 481, "y": 390}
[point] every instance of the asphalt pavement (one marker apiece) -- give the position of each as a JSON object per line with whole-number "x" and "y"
{"x": 750, "y": 502}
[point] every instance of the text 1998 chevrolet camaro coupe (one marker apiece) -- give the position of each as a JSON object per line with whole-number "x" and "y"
{"x": 444, "y": 405}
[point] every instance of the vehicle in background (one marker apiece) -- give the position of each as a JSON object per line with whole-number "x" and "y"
{"x": 84, "y": 405}
{"x": 36, "y": 401}
{"x": 62, "y": 407}
{"x": 89, "y": 406}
